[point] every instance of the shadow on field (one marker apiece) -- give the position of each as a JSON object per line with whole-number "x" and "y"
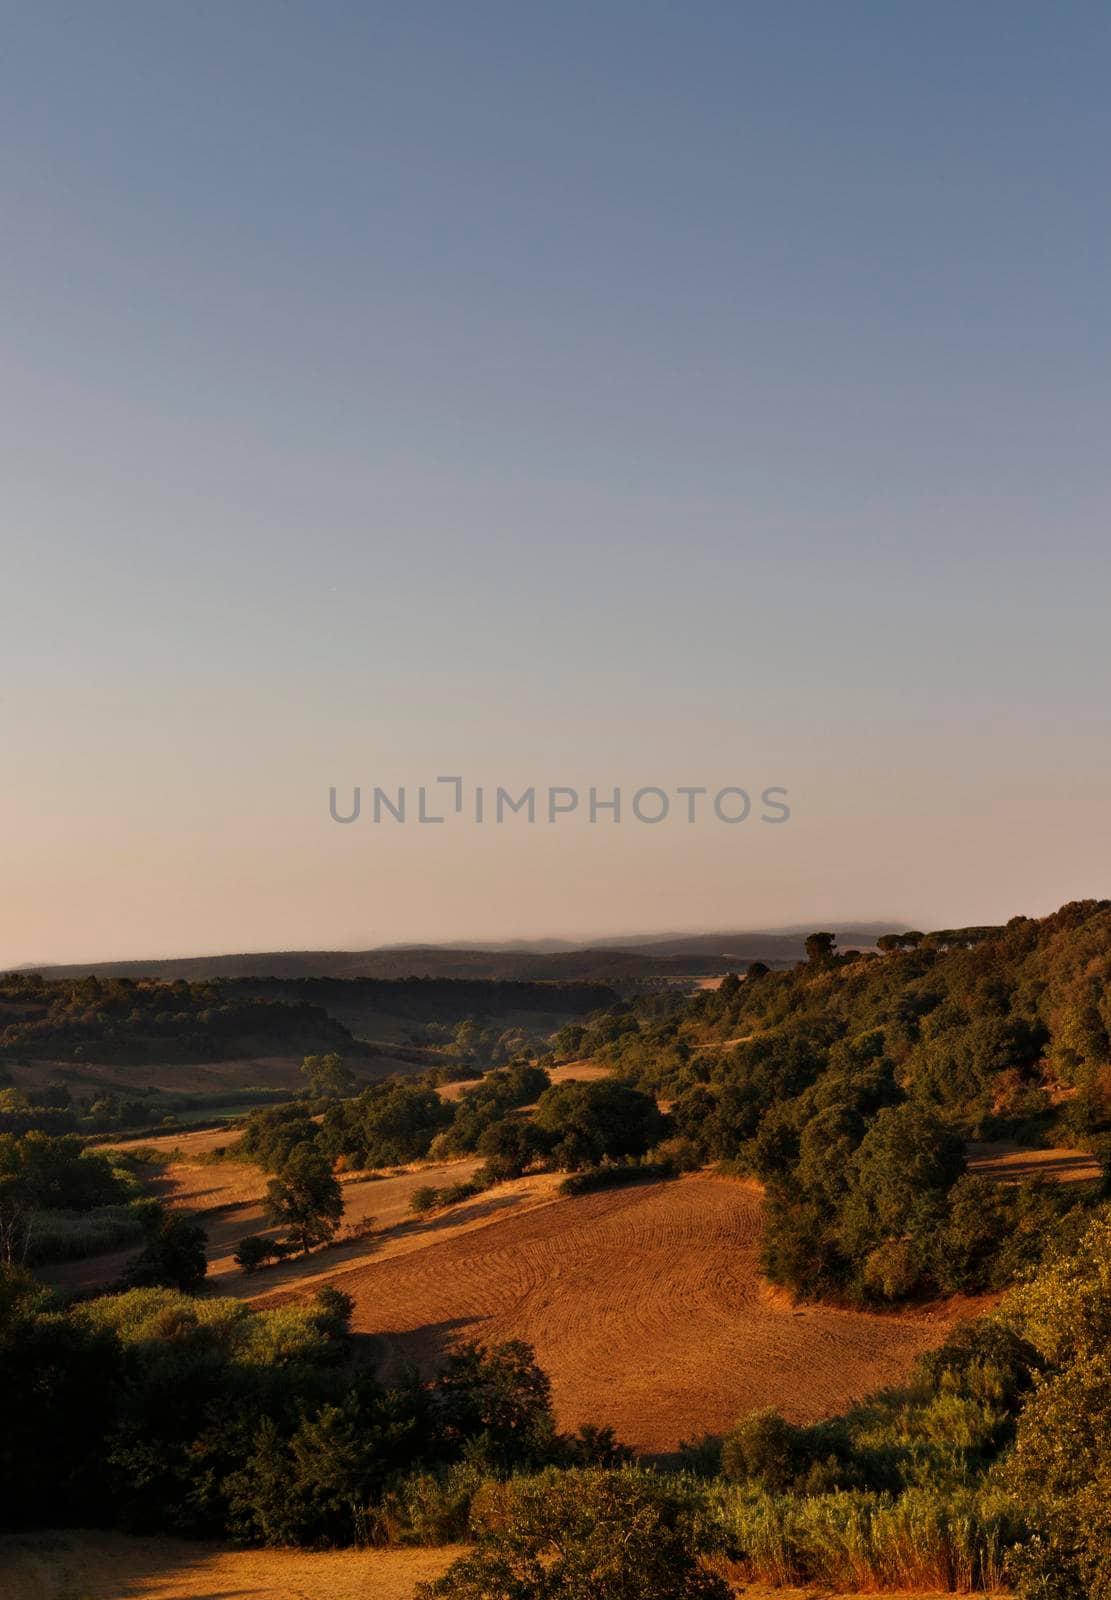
{"x": 425, "y": 1348}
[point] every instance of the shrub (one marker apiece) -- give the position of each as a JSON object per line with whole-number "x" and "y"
{"x": 582, "y": 1535}
{"x": 616, "y": 1176}
{"x": 764, "y": 1450}
{"x": 427, "y": 1508}
{"x": 253, "y": 1252}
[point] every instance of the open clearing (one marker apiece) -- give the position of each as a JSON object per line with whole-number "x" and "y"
{"x": 645, "y": 1308}
{"x": 105, "y": 1566}
{"x": 1006, "y": 1162}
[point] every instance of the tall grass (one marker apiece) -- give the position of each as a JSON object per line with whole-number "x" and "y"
{"x": 921, "y": 1539}
{"x": 72, "y": 1235}
{"x": 426, "y": 1508}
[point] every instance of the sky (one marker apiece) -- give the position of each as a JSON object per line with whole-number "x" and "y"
{"x": 586, "y": 395}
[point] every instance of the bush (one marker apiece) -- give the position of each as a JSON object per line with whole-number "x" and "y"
{"x": 764, "y": 1450}
{"x": 253, "y": 1252}
{"x": 616, "y": 1176}
{"x": 584, "y": 1535}
{"x": 427, "y": 1508}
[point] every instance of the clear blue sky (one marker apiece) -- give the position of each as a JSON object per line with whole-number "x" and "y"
{"x": 575, "y": 393}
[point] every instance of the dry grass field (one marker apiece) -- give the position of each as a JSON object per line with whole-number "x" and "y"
{"x": 644, "y": 1306}
{"x": 227, "y": 1199}
{"x": 104, "y": 1566}
{"x": 1010, "y": 1163}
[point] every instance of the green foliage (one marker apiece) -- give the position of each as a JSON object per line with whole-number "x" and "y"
{"x": 270, "y": 1135}
{"x": 1060, "y": 1468}
{"x": 591, "y": 1122}
{"x": 73, "y": 1235}
{"x": 327, "y": 1075}
{"x": 511, "y": 1146}
{"x": 584, "y": 1535}
{"x": 117, "y": 1020}
{"x": 174, "y": 1256}
{"x": 616, "y": 1176}
{"x": 386, "y": 1125}
{"x": 42, "y": 1173}
{"x": 491, "y": 1100}
{"x": 305, "y": 1197}
{"x": 921, "y": 1540}
{"x": 499, "y": 1398}
{"x": 254, "y": 1251}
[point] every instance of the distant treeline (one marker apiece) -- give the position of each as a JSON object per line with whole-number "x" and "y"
{"x": 118, "y": 1021}
{"x": 589, "y": 965}
{"x": 439, "y": 999}
{"x": 125, "y": 1021}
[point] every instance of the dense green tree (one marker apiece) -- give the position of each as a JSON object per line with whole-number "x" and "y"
{"x": 173, "y": 1257}
{"x": 589, "y": 1122}
{"x": 60, "y": 1393}
{"x": 270, "y": 1134}
{"x": 901, "y": 1172}
{"x": 305, "y": 1197}
{"x": 511, "y": 1145}
{"x": 499, "y": 1396}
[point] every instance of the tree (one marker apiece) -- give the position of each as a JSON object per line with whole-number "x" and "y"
{"x": 510, "y": 1146}
{"x": 500, "y": 1395}
{"x": 37, "y": 1173}
{"x": 1060, "y": 1468}
{"x": 904, "y": 1167}
{"x": 272, "y": 1132}
{"x": 589, "y": 1122}
{"x": 584, "y": 1534}
{"x": 174, "y": 1257}
{"x": 766, "y": 1450}
{"x": 60, "y": 1395}
{"x": 819, "y": 948}
{"x": 305, "y": 1197}
{"x": 328, "y": 1077}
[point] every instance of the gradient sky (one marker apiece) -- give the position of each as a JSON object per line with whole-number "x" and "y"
{"x": 585, "y": 393}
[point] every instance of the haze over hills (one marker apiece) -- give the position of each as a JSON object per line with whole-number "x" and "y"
{"x": 628, "y": 957}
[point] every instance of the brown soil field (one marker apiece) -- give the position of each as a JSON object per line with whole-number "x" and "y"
{"x": 104, "y": 1566}
{"x": 644, "y": 1306}
{"x": 1010, "y": 1163}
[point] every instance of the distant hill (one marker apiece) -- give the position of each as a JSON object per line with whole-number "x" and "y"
{"x": 620, "y": 960}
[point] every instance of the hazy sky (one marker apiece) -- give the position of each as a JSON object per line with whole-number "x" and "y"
{"x": 604, "y": 393}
